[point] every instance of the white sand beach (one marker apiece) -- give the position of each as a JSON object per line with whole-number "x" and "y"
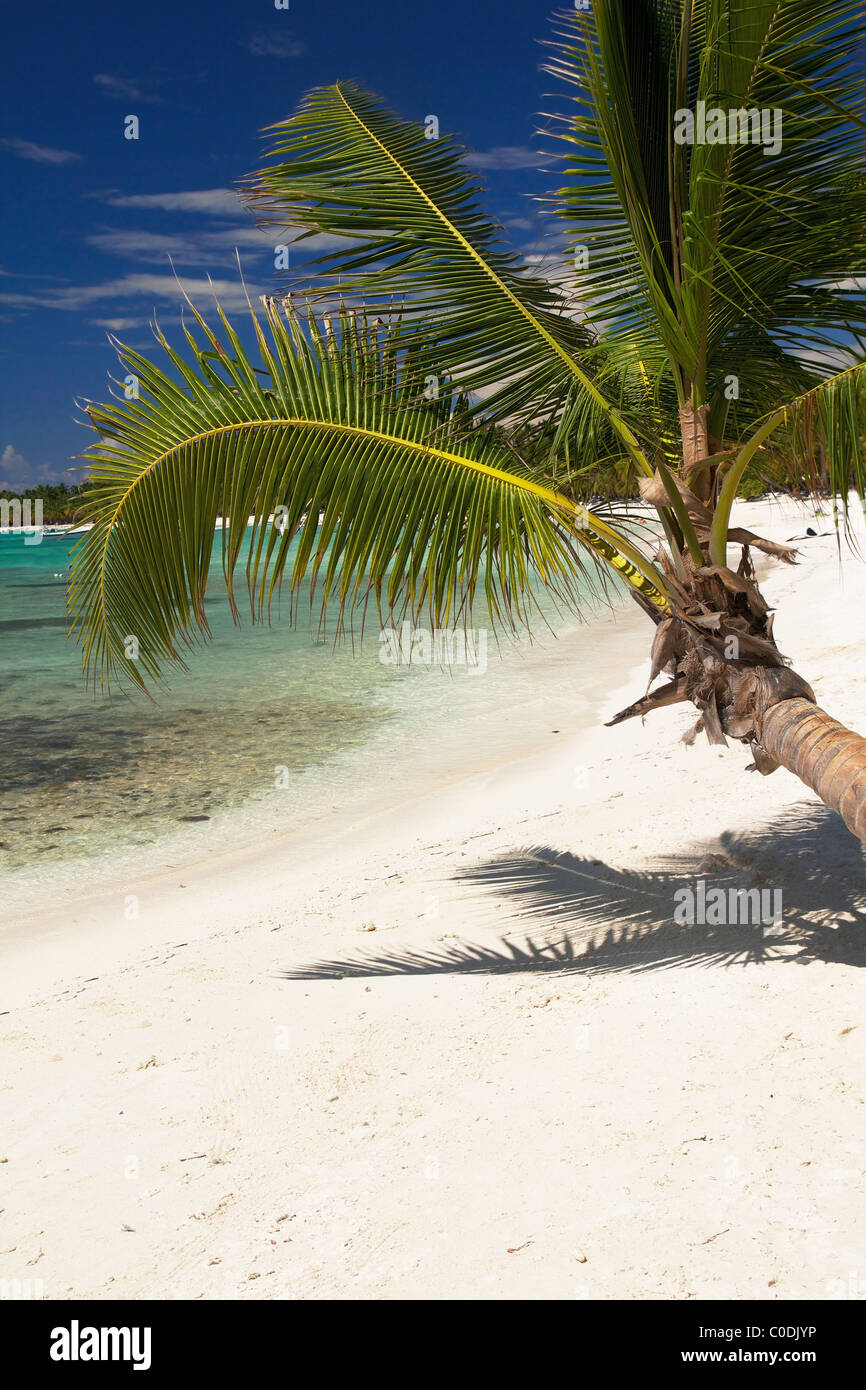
{"x": 459, "y": 1049}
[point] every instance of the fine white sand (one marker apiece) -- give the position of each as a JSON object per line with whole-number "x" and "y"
{"x": 513, "y": 1075}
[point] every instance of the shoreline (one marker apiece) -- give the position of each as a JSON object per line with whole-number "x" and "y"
{"x": 458, "y": 1051}
{"x": 339, "y": 791}
{"x": 35, "y": 887}
{"x": 82, "y": 924}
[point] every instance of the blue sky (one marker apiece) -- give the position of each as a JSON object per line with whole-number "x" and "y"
{"x": 91, "y": 217}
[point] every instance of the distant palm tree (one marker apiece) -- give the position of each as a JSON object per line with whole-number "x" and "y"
{"x": 430, "y": 446}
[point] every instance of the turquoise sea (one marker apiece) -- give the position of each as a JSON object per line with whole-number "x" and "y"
{"x": 270, "y": 729}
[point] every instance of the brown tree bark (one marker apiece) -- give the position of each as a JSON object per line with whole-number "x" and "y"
{"x": 716, "y": 644}
{"x": 829, "y": 758}
{"x": 696, "y": 447}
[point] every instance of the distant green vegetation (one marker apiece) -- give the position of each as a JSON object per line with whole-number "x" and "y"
{"x": 60, "y": 504}
{"x": 767, "y": 474}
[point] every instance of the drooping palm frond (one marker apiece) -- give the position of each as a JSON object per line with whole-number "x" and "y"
{"x": 346, "y": 166}
{"x": 354, "y": 480}
{"x": 825, "y": 428}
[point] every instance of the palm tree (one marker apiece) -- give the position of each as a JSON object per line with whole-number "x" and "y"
{"x": 427, "y": 410}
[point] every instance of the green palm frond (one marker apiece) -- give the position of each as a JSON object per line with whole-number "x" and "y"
{"x": 824, "y": 429}
{"x": 620, "y": 67}
{"x": 346, "y": 166}
{"x": 704, "y": 248}
{"x": 377, "y": 492}
{"x": 763, "y": 228}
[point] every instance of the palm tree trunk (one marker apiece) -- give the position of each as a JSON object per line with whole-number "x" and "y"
{"x": 695, "y": 441}
{"x": 824, "y": 754}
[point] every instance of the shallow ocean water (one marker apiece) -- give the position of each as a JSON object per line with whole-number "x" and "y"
{"x": 270, "y": 729}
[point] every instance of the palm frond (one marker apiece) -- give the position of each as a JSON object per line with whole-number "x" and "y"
{"x": 759, "y": 245}
{"x": 824, "y": 429}
{"x": 354, "y": 482}
{"x": 619, "y": 64}
{"x": 346, "y": 166}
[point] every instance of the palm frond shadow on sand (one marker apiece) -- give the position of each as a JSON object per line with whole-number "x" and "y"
{"x": 593, "y": 917}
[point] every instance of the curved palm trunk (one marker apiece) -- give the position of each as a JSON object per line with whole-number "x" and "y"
{"x": 829, "y": 758}
{"x": 716, "y": 643}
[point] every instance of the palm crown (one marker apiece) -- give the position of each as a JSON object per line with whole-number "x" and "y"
{"x": 711, "y": 309}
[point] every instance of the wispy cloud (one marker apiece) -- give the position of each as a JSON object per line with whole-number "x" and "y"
{"x": 853, "y": 282}
{"x": 213, "y": 202}
{"x": 194, "y": 248}
{"x": 117, "y": 325}
{"x": 508, "y": 157}
{"x": 202, "y": 248}
{"x": 121, "y": 88}
{"x": 553, "y": 266}
{"x": 39, "y": 154}
{"x": 154, "y": 288}
{"x": 264, "y": 45}
{"x": 831, "y": 359}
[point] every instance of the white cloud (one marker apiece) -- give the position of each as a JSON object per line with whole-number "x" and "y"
{"x": 854, "y": 282}
{"x": 40, "y": 154}
{"x": 507, "y": 157}
{"x": 150, "y": 287}
{"x": 17, "y": 475}
{"x": 117, "y": 325}
{"x": 11, "y": 464}
{"x": 204, "y": 248}
{"x": 214, "y": 202}
{"x": 264, "y": 45}
{"x": 193, "y": 248}
{"x": 125, "y": 89}
{"x": 119, "y": 87}
{"x": 827, "y": 358}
